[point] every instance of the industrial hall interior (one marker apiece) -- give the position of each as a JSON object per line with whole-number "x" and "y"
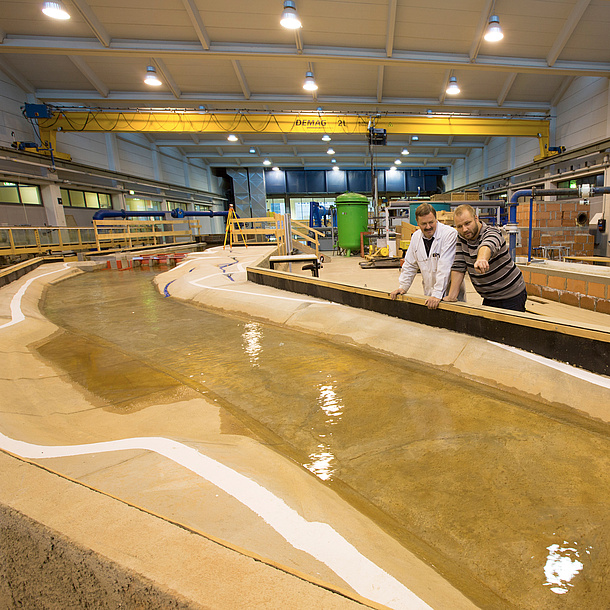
{"x": 305, "y": 304}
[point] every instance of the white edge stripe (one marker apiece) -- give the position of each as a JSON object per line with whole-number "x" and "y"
{"x": 599, "y": 380}
{"x": 16, "y": 313}
{"x": 318, "y": 539}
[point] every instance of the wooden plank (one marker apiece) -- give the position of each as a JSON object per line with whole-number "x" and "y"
{"x": 585, "y": 346}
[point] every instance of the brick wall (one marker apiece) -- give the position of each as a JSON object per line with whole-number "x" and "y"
{"x": 554, "y": 224}
{"x": 580, "y": 290}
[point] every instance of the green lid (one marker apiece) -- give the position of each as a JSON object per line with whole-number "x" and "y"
{"x": 352, "y": 198}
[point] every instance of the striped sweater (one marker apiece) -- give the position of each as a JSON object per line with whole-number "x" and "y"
{"x": 503, "y": 280}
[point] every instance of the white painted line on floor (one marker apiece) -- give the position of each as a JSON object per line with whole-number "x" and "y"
{"x": 599, "y": 380}
{"x": 16, "y": 313}
{"x": 318, "y": 539}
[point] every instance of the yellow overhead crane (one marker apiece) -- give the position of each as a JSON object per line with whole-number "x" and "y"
{"x": 289, "y": 123}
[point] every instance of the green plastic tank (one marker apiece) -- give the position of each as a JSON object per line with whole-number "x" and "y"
{"x": 352, "y": 219}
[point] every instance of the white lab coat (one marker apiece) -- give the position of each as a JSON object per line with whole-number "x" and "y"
{"x": 436, "y": 267}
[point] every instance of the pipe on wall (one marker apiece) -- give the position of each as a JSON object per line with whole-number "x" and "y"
{"x": 103, "y": 214}
{"x": 584, "y": 191}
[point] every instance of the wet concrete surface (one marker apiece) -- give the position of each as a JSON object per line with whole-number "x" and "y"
{"x": 506, "y": 497}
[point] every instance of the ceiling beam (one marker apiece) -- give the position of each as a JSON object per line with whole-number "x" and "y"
{"x": 443, "y": 95}
{"x": 298, "y": 41}
{"x": 92, "y": 21}
{"x": 506, "y": 87}
{"x": 90, "y": 75}
{"x": 197, "y": 23}
{"x": 258, "y": 101}
{"x": 562, "y": 89}
{"x": 308, "y": 143}
{"x": 380, "y": 74}
{"x": 166, "y": 75}
{"x": 390, "y": 32}
{"x": 478, "y": 33}
{"x": 568, "y": 28}
{"x": 241, "y": 77}
{"x": 73, "y": 46}
{"x": 18, "y": 78}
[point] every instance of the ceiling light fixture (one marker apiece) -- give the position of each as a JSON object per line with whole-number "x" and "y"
{"x": 310, "y": 83}
{"x": 393, "y": 168}
{"x": 404, "y": 151}
{"x": 333, "y": 160}
{"x": 151, "y": 77}
{"x": 55, "y": 10}
{"x": 330, "y": 151}
{"x": 232, "y": 137}
{"x": 275, "y": 168}
{"x": 414, "y": 138}
{"x": 397, "y": 162}
{"x": 453, "y": 88}
{"x": 326, "y": 138}
{"x": 266, "y": 162}
{"x": 290, "y": 19}
{"x": 493, "y": 33}
{"x": 252, "y": 150}
{"x": 335, "y": 168}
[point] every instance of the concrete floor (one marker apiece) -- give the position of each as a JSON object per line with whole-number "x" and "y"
{"x": 151, "y": 487}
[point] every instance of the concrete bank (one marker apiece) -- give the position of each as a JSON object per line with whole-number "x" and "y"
{"x": 216, "y": 278}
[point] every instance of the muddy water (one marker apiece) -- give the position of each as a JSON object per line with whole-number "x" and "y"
{"x": 506, "y": 498}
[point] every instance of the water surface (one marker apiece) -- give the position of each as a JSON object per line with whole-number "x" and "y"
{"x": 507, "y": 498}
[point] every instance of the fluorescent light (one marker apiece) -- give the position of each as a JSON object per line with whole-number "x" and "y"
{"x": 55, "y": 10}
{"x": 404, "y": 151}
{"x": 290, "y": 19}
{"x": 151, "y": 77}
{"x": 493, "y": 33}
{"x": 310, "y": 83}
{"x": 453, "y": 88}
{"x": 232, "y": 137}
{"x": 330, "y": 151}
{"x": 326, "y": 138}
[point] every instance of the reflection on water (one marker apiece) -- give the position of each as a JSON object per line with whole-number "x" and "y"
{"x": 562, "y": 565}
{"x": 252, "y": 335}
{"x": 470, "y": 478}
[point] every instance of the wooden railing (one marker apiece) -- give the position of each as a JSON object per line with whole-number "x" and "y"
{"x": 45, "y": 240}
{"x": 272, "y": 229}
{"x": 115, "y": 233}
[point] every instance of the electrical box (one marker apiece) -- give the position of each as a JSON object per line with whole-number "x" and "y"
{"x": 378, "y": 137}
{"x": 37, "y": 111}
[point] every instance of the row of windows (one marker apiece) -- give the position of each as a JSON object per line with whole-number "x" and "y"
{"x": 85, "y": 199}
{"x": 10, "y": 192}
{"x": 299, "y": 206}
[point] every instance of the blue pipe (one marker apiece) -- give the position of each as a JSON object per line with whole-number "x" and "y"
{"x": 102, "y": 214}
{"x": 529, "y": 244}
{"x": 180, "y": 213}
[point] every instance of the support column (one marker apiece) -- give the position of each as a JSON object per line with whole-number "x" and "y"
{"x": 51, "y": 197}
{"x": 157, "y": 169}
{"x": 187, "y": 175}
{"x": 112, "y": 153}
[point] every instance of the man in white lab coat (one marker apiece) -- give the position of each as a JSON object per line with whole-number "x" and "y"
{"x": 432, "y": 250}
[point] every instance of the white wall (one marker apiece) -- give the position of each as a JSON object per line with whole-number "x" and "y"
{"x": 11, "y": 118}
{"x": 582, "y": 113}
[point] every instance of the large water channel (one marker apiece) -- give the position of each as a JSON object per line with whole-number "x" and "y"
{"x": 507, "y": 498}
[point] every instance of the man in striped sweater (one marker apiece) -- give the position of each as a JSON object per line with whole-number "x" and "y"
{"x": 482, "y": 251}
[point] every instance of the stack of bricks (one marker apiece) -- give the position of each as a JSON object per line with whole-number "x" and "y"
{"x": 554, "y": 224}
{"x": 578, "y": 289}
